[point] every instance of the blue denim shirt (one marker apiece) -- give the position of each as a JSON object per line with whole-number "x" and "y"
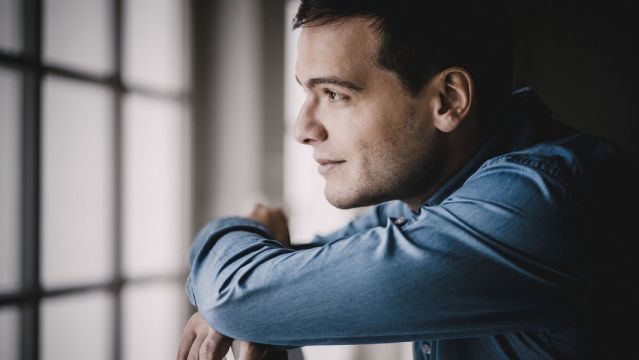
{"x": 498, "y": 263}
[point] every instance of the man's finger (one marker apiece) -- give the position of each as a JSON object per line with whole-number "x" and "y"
{"x": 194, "y": 352}
{"x": 189, "y": 335}
{"x": 220, "y": 345}
{"x": 208, "y": 347}
{"x": 185, "y": 345}
{"x": 250, "y": 351}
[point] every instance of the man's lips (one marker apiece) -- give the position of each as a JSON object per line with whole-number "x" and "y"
{"x": 326, "y": 165}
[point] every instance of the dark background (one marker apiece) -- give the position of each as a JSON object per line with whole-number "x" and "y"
{"x": 581, "y": 58}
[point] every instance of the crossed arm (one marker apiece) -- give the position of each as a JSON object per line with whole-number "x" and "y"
{"x": 477, "y": 264}
{"x": 200, "y": 340}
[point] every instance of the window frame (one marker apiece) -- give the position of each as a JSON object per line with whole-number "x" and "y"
{"x": 32, "y": 70}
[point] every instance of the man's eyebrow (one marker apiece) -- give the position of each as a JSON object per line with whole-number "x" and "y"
{"x": 331, "y": 81}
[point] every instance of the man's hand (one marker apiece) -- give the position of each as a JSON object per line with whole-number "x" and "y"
{"x": 201, "y": 342}
{"x": 275, "y": 220}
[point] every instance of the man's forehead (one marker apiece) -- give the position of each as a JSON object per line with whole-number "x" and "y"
{"x": 345, "y": 49}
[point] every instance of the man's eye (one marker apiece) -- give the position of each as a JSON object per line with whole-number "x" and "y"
{"x": 333, "y": 96}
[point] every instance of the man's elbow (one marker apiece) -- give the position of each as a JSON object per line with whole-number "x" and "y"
{"x": 228, "y": 317}
{"x": 221, "y": 307}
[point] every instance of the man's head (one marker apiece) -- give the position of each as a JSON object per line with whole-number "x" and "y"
{"x": 391, "y": 90}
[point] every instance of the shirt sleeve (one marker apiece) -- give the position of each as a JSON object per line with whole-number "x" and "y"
{"x": 496, "y": 256}
{"x": 374, "y": 217}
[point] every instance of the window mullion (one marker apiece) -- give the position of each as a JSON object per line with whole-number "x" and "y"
{"x": 31, "y": 112}
{"x": 117, "y": 18}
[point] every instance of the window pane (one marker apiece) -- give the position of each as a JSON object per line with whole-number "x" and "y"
{"x": 153, "y": 318}
{"x": 77, "y": 183}
{"x": 10, "y": 184}
{"x": 155, "y": 180}
{"x": 77, "y": 327}
{"x": 9, "y": 333}
{"x": 155, "y": 47}
{"x": 77, "y": 34}
{"x": 10, "y": 25}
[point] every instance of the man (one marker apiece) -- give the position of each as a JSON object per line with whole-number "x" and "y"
{"x": 506, "y": 242}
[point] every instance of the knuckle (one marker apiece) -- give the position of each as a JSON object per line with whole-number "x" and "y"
{"x": 180, "y": 355}
{"x": 208, "y": 347}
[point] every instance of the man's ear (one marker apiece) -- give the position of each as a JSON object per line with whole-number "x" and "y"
{"x": 456, "y": 94}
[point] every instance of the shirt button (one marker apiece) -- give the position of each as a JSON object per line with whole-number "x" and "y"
{"x": 400, "y": 221}
{"x": 426, "y": 348}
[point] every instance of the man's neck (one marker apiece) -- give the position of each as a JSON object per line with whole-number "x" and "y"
{"x": 463, "y": 146}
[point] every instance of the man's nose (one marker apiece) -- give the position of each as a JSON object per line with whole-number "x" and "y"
{"x": 308, "y": 129}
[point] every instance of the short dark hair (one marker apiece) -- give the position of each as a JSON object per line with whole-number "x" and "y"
{"x": 420, "y": 38}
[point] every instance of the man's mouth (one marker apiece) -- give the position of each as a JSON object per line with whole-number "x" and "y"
{"x": 325, "y": 165}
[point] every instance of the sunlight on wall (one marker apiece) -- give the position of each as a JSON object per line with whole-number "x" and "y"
{"x": 10, "y": 181}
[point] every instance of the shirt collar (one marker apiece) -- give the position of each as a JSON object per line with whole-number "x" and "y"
{"x": 525, "y": 108}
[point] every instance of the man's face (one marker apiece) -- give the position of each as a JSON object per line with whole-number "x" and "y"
{"x": 372, "y": 140}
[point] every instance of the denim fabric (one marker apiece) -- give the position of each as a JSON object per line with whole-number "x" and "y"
{"x": 501, "y": 262}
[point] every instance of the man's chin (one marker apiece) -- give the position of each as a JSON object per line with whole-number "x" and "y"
{"x": 341, "y": 204}
{"x": 342, "y": 200}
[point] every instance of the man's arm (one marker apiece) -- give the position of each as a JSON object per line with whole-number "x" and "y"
{"x": 200, "y": 340}
{"x": 491, "y": 258}
{"x": 373, "y": 217}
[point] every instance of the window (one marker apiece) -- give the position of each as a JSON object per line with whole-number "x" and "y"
{"x": 95, "y": 217}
